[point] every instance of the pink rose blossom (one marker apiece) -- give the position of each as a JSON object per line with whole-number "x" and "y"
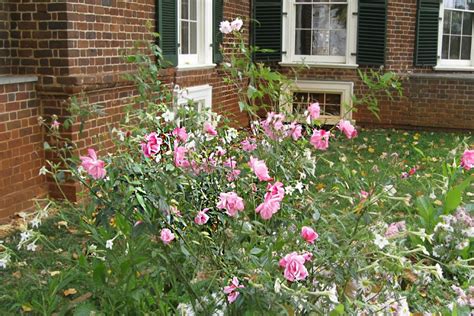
{"x": 209, "y": 129}
{"x": 201, "y": 217}
{"x": 249, "y": 144}
{"x": 273, "y": 125}
{"x": 309, "y": 234}
{"x": 268, "y": 208}
{"x": 260, "y": 169}
{"x": 230, "y": 202}
{"x": 55, "y": 124}
{"x": 232, "y": 290}
{"x": 152, "y": 145}
{"x": 225, "y": 27}
{"x": 467, "y": 160}
{"x": 233, "y": 175}
{"x": 180, "y": 133}
{"x": 94, "y": 167}
{"x": 314, "y": 111}
{"x": 294, "y": 131}
{"x": 236, "y": 25}
{"x": 320, "y": 139}
{"x": 220, "y": 151}
{"x": 294, "y": 267}
{"x": 347, "y": 128}
{"x": 180, "y": 160}
{"x": 275, "y": 191}
{"x": 166, "y": 236}
{"x": 395, "y": 228}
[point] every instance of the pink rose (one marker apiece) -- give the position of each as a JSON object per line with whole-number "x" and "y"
{"x": 180, "y": 160}
{"x": 467, "y": 160}
{"x": 395, "y": 228}
{"x": 268, "y": 208}
{"x": 166, "y": 236}
{"x": 209, "y": 129}
{"x": 180, "y": 133}
{"x": 273, "y": 124}
{"x": 249, "y": 144}
{"x": 314, "y": 111}
{"x": 94, "y": 167}
{"x": 294, "y": 131}
{"x": 236, "y": 25}
{"x": 260, "y": 169}
{"x": 309, "y": 234}
{"x": 232, "y": 290}
{"x": 275, "y": 191}
{"x": 201, "y": 217}
{"x": 233, "y": 175}
{"x": 230, "y": 202}
{"x": 320, "y": 139}
{"x": 152, "y": 145}
{"x": 347, "y": 128}
{"x": 55, "y": 125}
{"x": 294, "y": 267}
{"x": 225, "y": 27}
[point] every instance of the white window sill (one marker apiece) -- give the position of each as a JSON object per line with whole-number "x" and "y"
{"x": 11, "y": 79}
{"x": 453, "y": 68}
{"x": 319, "y": 65}
{"x": 195, "y": 67}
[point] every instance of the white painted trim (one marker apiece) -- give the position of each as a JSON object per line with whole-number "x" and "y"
{"x": 197, "y": 94}
{"x": 195, "y": 67}
{"x": 9, "y": 79}
{"x": 319, "y": 65}
{"x": 346, "y": 88}
{"x": 288, "y": 39}
{"x": 203, "y": 58}
{"x": 451, "y": 64}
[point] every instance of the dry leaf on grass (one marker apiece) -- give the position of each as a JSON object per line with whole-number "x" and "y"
{"x": 70, "y": 291}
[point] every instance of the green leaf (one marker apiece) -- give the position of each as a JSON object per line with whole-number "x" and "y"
{"x": 256, "y": 251}
{"x": 85, "y": 310}
{"x": 454, "y": 195}
{"x": 339, "y": 310}
{"x": 99, "y": 274}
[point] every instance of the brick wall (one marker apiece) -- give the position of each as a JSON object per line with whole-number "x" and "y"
{"x": 432, "y": 99}
{"x": 21, "y": 148}
{"x": 5, "y": 60}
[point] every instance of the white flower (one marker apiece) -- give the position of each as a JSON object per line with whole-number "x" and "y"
{"x": 380, "y": 241}
{"x": 468, "y": 232}
{"x": 31, "y": 247}
{"x": 168, "y": 116}
{"x": 35, "y": 223}
{"x": 43, "y": 171}
{"x": 462, "y": 245}
{"x": 307, "y": 154}
{"x": 390, "y": 190}
{"x": 332, "y": 294}
{"x": 25, "y": 236}
{"x": 225, "y": 27}
{"x": 231, "y": 134}
{"x": 3, "y": 263}
{"x": 289, "y": 190}
{"x": 299, "y": 186}
{"x": 109, "y": 244}
{"x": 438, "y": 271}
{"x": 277, "y": 286}
{"x": 433, "y": 196}
{"x": 236, "y": 25}
{"x": 402, "y": 308}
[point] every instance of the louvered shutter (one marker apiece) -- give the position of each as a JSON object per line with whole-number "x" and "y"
{"x": 372, "y": 28}
{"x": 427, "y": 25}
{"x": 218, "y": 16}
{"x": 167, "y": 27}
{"x": 267, "y": 29}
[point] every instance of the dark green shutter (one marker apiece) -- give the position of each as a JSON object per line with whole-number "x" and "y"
{"x": 218, "y": 16}
{"x": 427, "y": 25}
{"x": 167, "y": 27}
{"x": 372, "y": 28}
{"x": 267, "y": 29}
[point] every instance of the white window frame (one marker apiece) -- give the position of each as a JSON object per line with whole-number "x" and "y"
{"x": 203, "y": 58}
{"x": 197, "y": 94}
{"x": 288, "y": 40}
{"x": 345, "y": 88}
{"x": 451, "y": 64}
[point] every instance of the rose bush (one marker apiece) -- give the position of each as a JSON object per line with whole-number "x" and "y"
{"x": 189, "y": 215}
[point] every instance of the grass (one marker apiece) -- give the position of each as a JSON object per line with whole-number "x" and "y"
{"x": 51, "y": 279}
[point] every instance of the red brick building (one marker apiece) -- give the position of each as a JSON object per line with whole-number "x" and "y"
{"x": 51, "y": 51}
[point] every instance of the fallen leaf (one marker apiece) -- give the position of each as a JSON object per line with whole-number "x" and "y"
{"x": 70, "y": 291}
{"x": 54, "y": 273}
{"x": 61, "y": 223}
{"x": 17, "y": 274}
{"x": 82, "y": 298}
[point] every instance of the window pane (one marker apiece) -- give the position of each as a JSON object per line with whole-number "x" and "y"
{"x": 303, "y": 17}
{"x": 337, "y": 43}
{"x": 184, "y": 38}
{"x": 184, "y": 9}
{"x": 447, "y": 22}
{"x": 456, "y": 4}
{"x": 303, "y": 43}
{"x": 467, "y": 24}
{"x": 338, "y": 17}
{"x": 192, "y": 10}
{"x": 320, "y": 43}
{"x": 470, "y": 4}
{"x": 456, "y": 22}
{"x": 466, "y": 48}
{"x": 445, "y": 50}
{"x": 455, "y": 47}
{"x": 193, "y": 38}
{"x": 320, "y": 16}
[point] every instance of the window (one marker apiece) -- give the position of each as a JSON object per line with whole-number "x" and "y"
{"x": 194, "y": 34}
{"x": 201, "y": 96}
{"x": 334, "y": 98}
{"x": 320, "y": 31}
{"x": 456, "y": 47}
